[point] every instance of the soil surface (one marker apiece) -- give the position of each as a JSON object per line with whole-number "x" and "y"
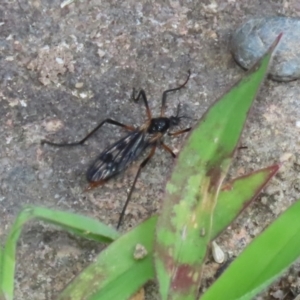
{"x": 65, "y": 69}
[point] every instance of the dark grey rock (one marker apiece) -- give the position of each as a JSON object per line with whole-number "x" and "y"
{"x": 253, "y": 38}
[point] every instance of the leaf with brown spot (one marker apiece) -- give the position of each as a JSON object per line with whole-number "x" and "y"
{"x": 98, "y": 277}
{"x": 185, "y": 225}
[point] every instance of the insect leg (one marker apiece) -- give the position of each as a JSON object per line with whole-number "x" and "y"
{"x": 142, "y": 165}
{"x": 109, "y": 121}
{"x": 137, "y": 98}
{"x": 179, "y": 132}
{"x": 164, "y": 95}
{"x": 168, "y": 149}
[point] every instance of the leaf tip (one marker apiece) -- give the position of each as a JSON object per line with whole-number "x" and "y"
{"x": 276, "y": 42}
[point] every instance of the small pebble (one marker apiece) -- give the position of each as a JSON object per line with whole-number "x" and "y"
{"x": 66, "y": 3}
{"x": 101, "y": 53}
{"x": 9, "y": 58}
{"x": 217, "y": 253}
{"x": 53, "y": 125}
{"x": 264, "y": 200}
{"x": 79, "y": 85}
{"x": 59, "y": 60}
{"x": 253, "y": 38}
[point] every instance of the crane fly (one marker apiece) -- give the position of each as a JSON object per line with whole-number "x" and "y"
{"x": 116, "y": 158}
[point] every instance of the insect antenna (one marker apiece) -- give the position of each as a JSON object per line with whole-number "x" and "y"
{"x": 165, "y": 93}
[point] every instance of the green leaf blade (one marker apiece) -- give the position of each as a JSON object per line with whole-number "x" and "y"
{"x": 184, "y": 227}
{"x": 116, "y": 274}
{"x": 9, "y": 254}
{"x": 236, "y": 195}
{"x": 78, "y": 224}
{"x": 274, "y": 250}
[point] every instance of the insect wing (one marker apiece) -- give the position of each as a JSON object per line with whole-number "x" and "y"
{"x": 117, "y": 157}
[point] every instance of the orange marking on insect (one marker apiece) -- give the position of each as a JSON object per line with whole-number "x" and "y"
{"x": 94, "y": 184}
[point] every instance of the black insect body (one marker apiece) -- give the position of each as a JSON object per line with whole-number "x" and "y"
{"x": 119, "y": 155}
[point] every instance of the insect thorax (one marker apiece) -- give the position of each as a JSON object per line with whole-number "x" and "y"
{"x": 161, "y": 124}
